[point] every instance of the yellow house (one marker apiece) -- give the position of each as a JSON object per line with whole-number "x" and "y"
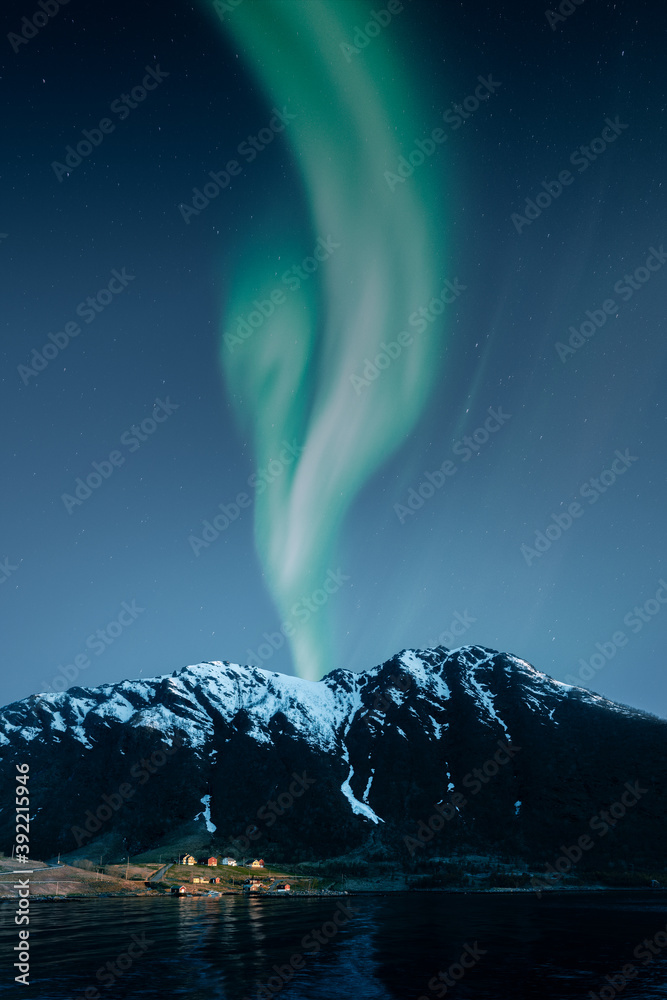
{"x": 188, "y": 860}
{"x": 257, "y": 863}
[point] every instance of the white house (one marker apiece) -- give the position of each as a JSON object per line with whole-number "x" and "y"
{"x": 228, "y": 861}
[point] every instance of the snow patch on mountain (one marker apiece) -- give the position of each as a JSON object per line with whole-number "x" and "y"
{"x": 438, "y": 728}
{"x": 116, "y": 707}
{"x": 359, "y": 808}
{"x": 428, "y": 679}
{"x": 368, "y": 785}
{"x": 205, "y": 814}
{"x": 476, "y": 659}
{"x": 58, "y": 723}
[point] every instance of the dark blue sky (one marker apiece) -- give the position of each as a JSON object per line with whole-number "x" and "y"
{"x": 133, "y": 391}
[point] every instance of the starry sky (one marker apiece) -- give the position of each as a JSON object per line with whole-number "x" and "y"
{"x": 332, "y": 328}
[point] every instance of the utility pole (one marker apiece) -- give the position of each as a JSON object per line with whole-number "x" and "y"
{"x": 127, "y": 868}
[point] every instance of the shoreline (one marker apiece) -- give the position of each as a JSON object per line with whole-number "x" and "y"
{"x": 463, "y": 891}
{"x": 141, "y": 880}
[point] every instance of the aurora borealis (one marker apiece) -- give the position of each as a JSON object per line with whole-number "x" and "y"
{"x": 293, "y": 377}
{"x": 396, "y": 273}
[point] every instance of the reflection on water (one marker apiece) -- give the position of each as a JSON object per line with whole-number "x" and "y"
{"x": 390, "y": 947}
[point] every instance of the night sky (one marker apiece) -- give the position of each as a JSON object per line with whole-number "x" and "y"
{"x": 393, "y": 375}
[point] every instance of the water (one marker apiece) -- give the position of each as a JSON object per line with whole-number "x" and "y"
{"x": 559, "y": 946}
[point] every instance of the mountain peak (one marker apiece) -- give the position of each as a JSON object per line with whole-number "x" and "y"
{"x": 383, "y": 746}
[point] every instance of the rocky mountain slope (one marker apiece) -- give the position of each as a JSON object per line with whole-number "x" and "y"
{"x": 430, "y": 754}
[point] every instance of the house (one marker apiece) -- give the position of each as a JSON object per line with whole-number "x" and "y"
{"x": 257, "y": 863}
{"x": 216, "y": 880}
{"x": 252, "y": 885}
{"x": 283, "y": 888}
{"x": 228, "y": 861}
{"x": 198, "y": 878}
{"x": 188, "y": 860}
{"x": 212, "y": 862}
{"x": 179, "y": 890}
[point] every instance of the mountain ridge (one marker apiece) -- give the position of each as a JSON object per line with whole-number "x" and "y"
{"x": 383, "y": 749}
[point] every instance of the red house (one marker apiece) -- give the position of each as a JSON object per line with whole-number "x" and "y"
{"x": 212, "y": 862}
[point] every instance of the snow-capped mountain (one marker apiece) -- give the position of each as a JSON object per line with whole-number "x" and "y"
{"x": 432, "y": 753}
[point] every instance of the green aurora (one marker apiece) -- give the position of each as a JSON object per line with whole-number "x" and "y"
{"x": 356, "y": 113}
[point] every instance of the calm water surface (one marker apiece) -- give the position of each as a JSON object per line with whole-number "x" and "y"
{"x": 560, "y": 946}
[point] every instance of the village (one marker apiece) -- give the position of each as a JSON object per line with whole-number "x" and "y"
{"x": 161, "y": 873}
{"x": 186, "y": 875}
{"x": 257, "y": 880}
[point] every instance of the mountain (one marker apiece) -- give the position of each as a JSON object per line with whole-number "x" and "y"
{"x": 431, "y": 754}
